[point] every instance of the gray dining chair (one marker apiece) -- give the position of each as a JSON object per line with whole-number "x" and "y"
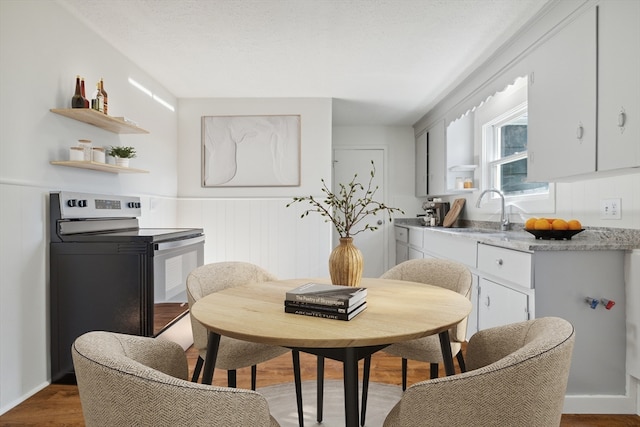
{"x": 517, "y": 376}
{"x": 233, "y": 354}
{"x": 127, "y": 380}
{"x": 445, "y": 274}
{"x": 437, "y": 272}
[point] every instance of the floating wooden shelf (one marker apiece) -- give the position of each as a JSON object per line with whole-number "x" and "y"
{"x": 95, "y": 118}
{"x": 102, "y": 167}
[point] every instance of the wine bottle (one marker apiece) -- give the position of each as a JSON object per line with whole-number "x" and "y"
{"x": 84, "y": 96}
{"x": 104, "y": 96}
{"x": 98, "y": 99}
{"x": 77, "y": 101}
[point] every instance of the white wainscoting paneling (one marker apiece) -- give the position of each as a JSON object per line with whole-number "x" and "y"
{"x": 261, "y": 231}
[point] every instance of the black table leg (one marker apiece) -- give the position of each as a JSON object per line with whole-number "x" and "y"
{"x": 320, "y": 388}
{"x": 297, "y": 379}
{"x": 447, "y": 357}
{"x": 213, "y": 342}
{"x": 350, "y": 371}
{"x": 365, "y": 388}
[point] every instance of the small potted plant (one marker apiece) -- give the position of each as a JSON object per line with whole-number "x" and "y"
{"x": 122, "y": 154}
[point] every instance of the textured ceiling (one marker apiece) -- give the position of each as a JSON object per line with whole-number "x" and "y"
{"x": 384, "y": 62}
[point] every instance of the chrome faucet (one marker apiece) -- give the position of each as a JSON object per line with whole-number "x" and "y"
{"x": 504, "y": 219}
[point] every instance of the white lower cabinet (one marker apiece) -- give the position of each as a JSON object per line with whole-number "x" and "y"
{"x": 500, "y": 305}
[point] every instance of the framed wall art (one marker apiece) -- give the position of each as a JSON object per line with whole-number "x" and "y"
{"x": 251, "y": 151}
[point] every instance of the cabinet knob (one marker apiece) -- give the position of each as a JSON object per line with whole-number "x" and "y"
{"x": 580, "y": 131}
{"x": 499, "y": 261}
{"x": 380, "y": 222}
{"x": 622, "y": 119}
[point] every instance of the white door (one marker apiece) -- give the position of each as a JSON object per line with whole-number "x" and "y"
{"x": 372, "y": 244}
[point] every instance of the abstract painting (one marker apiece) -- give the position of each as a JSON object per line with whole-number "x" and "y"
{"x": 250, "y": 151}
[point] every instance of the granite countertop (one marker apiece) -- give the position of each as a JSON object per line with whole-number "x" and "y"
{"x": 591, "y": 239}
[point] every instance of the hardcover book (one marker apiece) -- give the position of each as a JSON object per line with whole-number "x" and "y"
{"x": 328, "y": 295}
{"x": 319, "y": 307}
{"x": 327, "y": 315}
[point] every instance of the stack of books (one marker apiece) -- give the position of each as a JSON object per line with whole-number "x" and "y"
{"x": 326, "y": 301}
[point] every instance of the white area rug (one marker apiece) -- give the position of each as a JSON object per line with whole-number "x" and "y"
{"x": 282, "y": 403}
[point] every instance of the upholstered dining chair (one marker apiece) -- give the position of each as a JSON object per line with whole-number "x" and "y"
{"x": 232, "y": 353}
{"x": 126, "y": 380}
{"x": 517, "y": 376}
{"x": 445, "y": 274}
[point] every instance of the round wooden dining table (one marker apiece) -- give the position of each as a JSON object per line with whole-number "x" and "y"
{"x": 396, "y": 311}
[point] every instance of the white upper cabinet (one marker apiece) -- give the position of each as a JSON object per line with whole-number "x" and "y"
{"x": 618, "y": 84}
{"x": 421, "y": 165}
{"x": 562, "y": 103}
{"x": 431, "y": 161}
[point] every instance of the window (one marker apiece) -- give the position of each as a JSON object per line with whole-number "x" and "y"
{"x": 501, "y": 142}
{"x": 505, "y": 146}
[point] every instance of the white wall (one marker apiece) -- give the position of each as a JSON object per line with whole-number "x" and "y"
{"x": 42, "y": 48}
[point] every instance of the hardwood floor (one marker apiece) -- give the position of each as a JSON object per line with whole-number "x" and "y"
{"x": 59, "y": 405}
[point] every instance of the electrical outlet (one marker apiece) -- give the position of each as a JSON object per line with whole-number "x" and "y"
{"x": 610, "y": 208}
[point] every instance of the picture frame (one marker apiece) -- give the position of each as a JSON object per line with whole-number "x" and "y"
{"x": 251, "y": 151}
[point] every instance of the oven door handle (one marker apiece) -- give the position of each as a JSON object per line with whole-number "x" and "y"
{"x": 174, "y": 244}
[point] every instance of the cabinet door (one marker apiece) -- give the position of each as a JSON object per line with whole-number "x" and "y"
{"x": 436, "y": 155}
{"x": 562, "y": 103}
{"x": 402, "y": 252}
{"x": 415, "y": 254}
{"x": 618, "y": 84}
{"x": 499, "y": 305}
{"x": 421, "y": 165}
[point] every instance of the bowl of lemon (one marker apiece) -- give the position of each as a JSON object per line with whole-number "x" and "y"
{"x": 553, "y": 228}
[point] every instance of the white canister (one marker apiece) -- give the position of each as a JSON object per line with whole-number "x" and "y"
{"x": 76, "y": 154}
{"x": 97, "y": 155}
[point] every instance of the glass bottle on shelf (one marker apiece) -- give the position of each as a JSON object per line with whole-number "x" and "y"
{"x": 77, "y": 101}
{"x": 105, "y": 97}
{"x": 84, "y": 96}
{"x": 98, "y": 100}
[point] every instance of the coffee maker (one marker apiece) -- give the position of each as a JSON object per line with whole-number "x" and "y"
{"x": 436, "y": 210}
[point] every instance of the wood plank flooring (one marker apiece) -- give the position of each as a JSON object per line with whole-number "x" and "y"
{"x": 59, "y": 405}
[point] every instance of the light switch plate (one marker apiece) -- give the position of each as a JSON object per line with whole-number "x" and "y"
{"x": 610, "y": 209}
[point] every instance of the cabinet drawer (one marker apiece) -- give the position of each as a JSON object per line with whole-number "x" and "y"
{"x": 402, "y": 234}
{"x": 415, "y": 237}
{"x": 512, "y": 266}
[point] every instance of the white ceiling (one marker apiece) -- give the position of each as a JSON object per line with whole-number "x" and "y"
{"x": 385, "y": 62}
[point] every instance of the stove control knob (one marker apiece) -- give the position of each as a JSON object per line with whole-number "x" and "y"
{"x": 138, "y": 204}
{"x": 133, "y": 205}
{"x": 82, "y": 203}
{"x": 72, "y": 202}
